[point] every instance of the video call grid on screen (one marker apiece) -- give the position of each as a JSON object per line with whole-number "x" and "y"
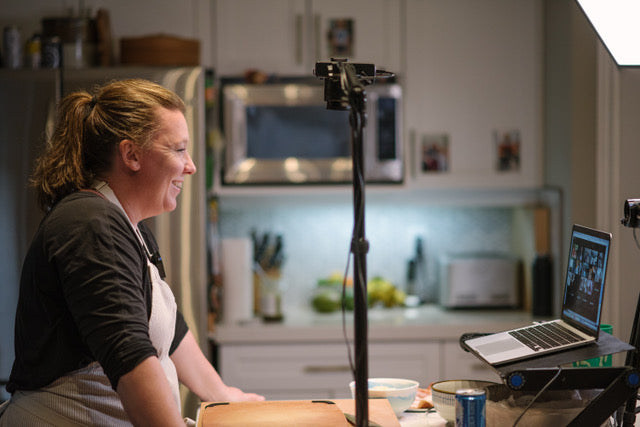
{"x": 585, "y": 279}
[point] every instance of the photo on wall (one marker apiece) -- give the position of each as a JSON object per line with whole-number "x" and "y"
{"x": 507, "y": 150}
{"x": 433, "y": 153}
{"x": 340, "y": 38}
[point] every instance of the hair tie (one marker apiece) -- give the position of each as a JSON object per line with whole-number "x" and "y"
{"x": 93, "y": 102}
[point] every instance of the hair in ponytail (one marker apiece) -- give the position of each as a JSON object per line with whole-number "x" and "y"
{"x": 88, "y": 130}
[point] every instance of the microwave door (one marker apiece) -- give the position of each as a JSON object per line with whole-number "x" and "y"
{"x": 283, "y": 134}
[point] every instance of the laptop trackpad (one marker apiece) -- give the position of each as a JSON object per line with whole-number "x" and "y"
{"x": 499, "y": 346}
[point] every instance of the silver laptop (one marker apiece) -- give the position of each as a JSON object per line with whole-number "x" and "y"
{"x": 579, "y": 323}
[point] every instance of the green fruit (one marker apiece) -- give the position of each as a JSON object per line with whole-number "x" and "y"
{"x": 349, "y": 303}
{"x": 326, "y": 301}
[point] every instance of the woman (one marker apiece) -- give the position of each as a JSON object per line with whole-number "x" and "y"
{"x": 98, "y": 338}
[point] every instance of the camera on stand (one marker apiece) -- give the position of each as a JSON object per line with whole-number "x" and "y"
{"x": 339, "y": 76}
{"x": 631, "y": 213}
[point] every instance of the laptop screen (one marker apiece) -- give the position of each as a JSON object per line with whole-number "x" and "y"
{"x": 584, "y": 286}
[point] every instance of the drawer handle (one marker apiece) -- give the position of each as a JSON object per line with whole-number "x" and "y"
{"x": 320, "y": 369}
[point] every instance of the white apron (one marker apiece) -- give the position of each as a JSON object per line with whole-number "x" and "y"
{"x": 85, "y": 397}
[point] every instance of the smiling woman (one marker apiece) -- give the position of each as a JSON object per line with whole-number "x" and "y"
{"x": 95, "y": 316}
{"x": 152, "y": 177}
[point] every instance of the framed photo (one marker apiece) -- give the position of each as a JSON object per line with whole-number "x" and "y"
{"x": 340, "y": 37}
{"x": 432, "y": 154}
{"x": 507, "y": 150}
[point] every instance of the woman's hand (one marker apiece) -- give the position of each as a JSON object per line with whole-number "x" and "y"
{"x": 234, "y": 394}
{"x": 195, "y": 372}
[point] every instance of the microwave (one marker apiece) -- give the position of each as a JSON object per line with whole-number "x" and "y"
{"x": 283, "y": 133}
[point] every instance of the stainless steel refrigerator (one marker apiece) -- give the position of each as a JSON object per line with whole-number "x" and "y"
{"x": 27, "y": 108}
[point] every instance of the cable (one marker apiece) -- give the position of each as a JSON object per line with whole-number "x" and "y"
{"x": 635, "y": 237}
{"x": 344, "y": 317}
{"x": 546, "y": 386}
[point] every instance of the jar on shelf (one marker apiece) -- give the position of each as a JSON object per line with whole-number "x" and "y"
{"x": 271, "y": 290}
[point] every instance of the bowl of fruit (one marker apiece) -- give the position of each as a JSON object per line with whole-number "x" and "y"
{"x": 329, "y": 294}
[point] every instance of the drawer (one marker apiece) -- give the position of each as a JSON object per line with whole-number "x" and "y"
{"x": 321, "y": 370}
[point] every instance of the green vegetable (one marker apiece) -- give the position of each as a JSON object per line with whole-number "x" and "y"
{"x": 326, "y": 301}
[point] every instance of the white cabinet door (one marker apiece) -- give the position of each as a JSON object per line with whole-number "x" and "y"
{"x": 474, "y": 78}
{"x": 459, "y": 364}
{"x": 418, "y": 361}
{"x": 288, "y": 36}
{"x": 268, "y": 35}
{"x": 374, "y": 31}
{"x": 307, "y": 371}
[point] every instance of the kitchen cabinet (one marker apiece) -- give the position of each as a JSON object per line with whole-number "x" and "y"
{"x": 307, "y": 371}
{"x": 288, "y": 36}
{"x": 473, "y": 77}
{"x": 305, "y": 357}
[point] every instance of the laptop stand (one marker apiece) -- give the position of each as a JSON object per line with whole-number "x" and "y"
{"x": 619, "y": 384}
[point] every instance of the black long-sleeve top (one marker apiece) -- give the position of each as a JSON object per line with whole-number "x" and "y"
{"x": 85, "y": 295}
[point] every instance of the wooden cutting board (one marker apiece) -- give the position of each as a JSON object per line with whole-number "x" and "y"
{"x": 299, "y": 413}
{"x": 380, "y": 411}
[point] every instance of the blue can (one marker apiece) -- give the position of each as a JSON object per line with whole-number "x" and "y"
{"x": 471, "y": 408}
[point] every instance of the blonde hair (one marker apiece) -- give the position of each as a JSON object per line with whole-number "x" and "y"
{"x": 88, "y": 130}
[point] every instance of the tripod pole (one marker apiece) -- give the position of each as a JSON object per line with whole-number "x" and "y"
{"x": 343, "y": 90}
{"x": 359, "y": 247}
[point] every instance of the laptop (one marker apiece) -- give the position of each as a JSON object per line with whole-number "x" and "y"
{"x": 579, "y": 323}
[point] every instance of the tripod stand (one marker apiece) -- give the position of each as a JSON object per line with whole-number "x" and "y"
{"x": 343, "y": 90}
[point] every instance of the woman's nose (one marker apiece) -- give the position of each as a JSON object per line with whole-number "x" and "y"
{"x": 189, "y": 167}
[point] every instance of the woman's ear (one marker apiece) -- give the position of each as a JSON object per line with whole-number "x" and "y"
{"x": 130, "y": 154}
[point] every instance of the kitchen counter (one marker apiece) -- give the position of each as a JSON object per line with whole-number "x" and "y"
{"x": 427, "y": 322}
{"x": 305, "y": 356}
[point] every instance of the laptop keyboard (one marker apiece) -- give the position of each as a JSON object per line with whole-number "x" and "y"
{"x": 545, "y": 336}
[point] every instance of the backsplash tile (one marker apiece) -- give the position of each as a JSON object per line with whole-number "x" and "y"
{"x": 317, "y": 236}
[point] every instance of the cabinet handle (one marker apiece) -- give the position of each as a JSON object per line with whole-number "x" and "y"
{"x": 298, "y": 38}
{"x": 321, "y": 369}
{"x": 318, "y": 37}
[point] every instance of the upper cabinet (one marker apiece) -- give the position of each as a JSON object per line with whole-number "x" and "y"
{"x": 473, "y": 93}
{"x": 288, "y": 37}
{"x": 471, "y": 72}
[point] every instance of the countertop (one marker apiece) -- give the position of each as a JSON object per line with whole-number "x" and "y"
{"x": 427, "y": 322}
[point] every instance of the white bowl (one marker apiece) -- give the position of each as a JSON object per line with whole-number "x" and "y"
{"x": 399, "y": 392}
{"x": 443, "y": 394}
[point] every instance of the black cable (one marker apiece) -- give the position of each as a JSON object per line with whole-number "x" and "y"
{"x": 546, "y": 386}
{"x": 635, "y": 237}
{"x": 344, "y": 317}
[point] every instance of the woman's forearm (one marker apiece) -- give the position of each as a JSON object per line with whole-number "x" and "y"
{"x": 147, "y": 397}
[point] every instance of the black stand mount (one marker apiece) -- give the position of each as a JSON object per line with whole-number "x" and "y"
{"x": 619, "y": 384}
{"x": 343, "y": 90}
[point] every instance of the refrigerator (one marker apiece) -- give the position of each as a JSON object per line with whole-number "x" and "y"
{"x": 27, "y": 110}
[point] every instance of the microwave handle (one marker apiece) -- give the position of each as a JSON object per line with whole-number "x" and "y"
{"x": 317, "y": 37}
{"x": 298, "y": 28}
